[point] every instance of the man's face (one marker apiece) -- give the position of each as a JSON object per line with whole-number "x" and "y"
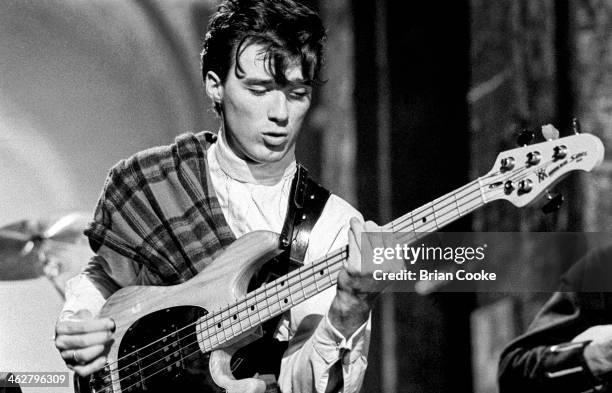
{"x": 262, "y": 118}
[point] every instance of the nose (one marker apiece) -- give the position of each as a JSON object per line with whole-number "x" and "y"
{"x": 278, "y": 111}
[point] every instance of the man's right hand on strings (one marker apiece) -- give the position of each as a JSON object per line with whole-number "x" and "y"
{"x": 83, "y": 341}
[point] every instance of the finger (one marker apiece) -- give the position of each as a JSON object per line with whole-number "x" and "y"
{"x": 375, "y": 236}
{"x": 82, "y": 356}
{"x": 354, "y": 257}
{"x": 72, "y": 325}
{"x": 85, "y": 370}
{"x": 82, "y": 340}
{"x": 371, "y": 226}
{"x": 356, "y": 228}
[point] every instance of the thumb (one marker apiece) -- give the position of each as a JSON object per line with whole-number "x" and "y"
{"x": 354, "y": 245}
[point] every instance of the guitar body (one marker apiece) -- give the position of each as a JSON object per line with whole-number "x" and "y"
{"x": 161, "y": 322}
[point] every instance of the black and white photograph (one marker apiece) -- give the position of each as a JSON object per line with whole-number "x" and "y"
{"x": 292, "y": 196}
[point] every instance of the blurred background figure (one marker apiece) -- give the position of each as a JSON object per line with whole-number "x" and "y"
{"x": 421, "y": 97}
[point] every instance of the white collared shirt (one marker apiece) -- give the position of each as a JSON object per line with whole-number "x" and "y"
{"x": 255, "y": 198}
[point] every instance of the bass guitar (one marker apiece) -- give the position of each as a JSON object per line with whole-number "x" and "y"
{"x": 181, "y": 338}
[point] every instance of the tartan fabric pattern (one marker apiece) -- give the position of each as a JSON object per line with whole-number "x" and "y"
{"x": 159, "y": 209}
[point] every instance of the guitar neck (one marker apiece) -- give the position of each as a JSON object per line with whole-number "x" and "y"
{"x": 280, "y": 295}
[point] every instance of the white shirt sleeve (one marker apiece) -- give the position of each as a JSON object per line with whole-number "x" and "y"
{"x": 317, "y": 350}
{"x": 309, "y": 366}
{"x": 104, "y": 274}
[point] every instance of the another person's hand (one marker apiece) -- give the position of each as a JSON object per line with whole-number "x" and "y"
{"x": 357, "y": 289}
{"x": 83, "y": 341}
{"x": 598, "y": 353}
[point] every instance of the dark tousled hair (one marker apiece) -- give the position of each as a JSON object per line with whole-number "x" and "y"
{"x": 289, "y": 32}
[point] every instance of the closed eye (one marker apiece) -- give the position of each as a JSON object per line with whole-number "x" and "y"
{"x": 299, "y": 94}
{"x": 258, "y": 91}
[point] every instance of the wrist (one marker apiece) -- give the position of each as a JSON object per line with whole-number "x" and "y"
{"x": 348, "y": 312}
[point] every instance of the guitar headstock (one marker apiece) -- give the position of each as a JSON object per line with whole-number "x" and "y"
{"x": 521, "y": 175}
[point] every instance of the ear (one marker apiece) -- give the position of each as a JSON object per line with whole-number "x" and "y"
{"x": 214, "y": 87}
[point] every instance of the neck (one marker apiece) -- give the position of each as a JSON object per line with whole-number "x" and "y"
{"x": 247, "y": 171}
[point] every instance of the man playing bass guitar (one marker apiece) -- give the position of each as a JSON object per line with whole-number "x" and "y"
{"x": 181, "y": 205}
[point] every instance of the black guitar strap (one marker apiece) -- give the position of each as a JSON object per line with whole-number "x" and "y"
{"x": 306, "y": 202}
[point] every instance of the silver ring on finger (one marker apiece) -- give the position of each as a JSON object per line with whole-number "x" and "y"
{"x": 75, "y": 357}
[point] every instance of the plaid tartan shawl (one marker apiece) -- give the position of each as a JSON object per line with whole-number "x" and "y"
{"x": 159, "y": 209}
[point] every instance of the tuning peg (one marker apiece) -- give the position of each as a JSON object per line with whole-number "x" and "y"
{"x": 554, "y": 203}
{"x": 576, "y": 126}
{"x": 549, "y": 132}
{"x": 525, "y": 138}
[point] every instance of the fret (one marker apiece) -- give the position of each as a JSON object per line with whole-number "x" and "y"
{"x": 234, "y": 320}
{"x": 325, "y": 272}
{"x": 237, "y": 316}
{"x": 403, "y": 224}
{"x": 301, "y": 281}
{"x": 251, "y": 307}
{"x": 228, "y": 322}
{"x": 446, "y": 209}
{"x": 456, "y": 204}
{"x": 222, "y": 324}
{"x": 259, "y": 306}
{"x": 411, "y": 220}
{"x": 204, "y": 333}
{"x": 321, "y": 272}
{"x": 244, "y": 315}
{"x": 470, "y": 201}
{"x": 270, "y": 292}
{"x": 266, "y": 303}
{"x": 292, "y": 283}
{"x": 284, "y": 295}
{"x": 314, "y": 276}
{"x": 422, "y": 218}
{"x": 217, "y": 326}
{"x": 434, "y": 214}
{"x": 311, "y": 281}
